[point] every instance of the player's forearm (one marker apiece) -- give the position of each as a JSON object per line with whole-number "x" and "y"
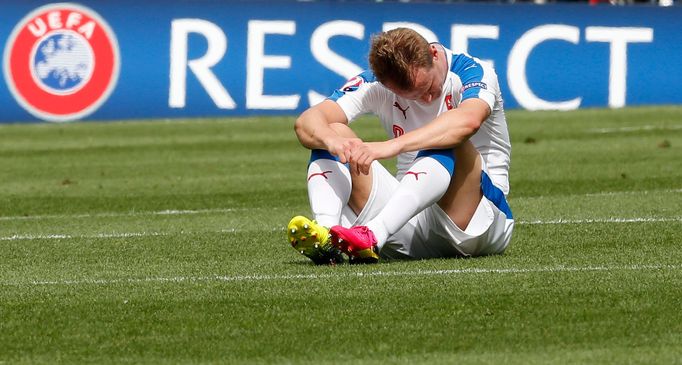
{"x": 448, "y": 130}
{"x": 313, "y": 130}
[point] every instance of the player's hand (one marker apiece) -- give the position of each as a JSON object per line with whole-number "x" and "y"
{"x": 342, "y": 147}
{"x": 364, "y": 154}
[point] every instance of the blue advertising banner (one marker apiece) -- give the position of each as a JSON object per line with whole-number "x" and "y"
{"x": 171, "y": 58}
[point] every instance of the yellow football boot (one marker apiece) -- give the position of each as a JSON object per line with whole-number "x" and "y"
{"x": 313, "y": 241}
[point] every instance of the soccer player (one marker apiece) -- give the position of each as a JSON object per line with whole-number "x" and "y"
{"x": 444, "y": 118}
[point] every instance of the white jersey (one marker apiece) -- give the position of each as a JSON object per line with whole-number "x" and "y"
{"x": 467, "y": 78}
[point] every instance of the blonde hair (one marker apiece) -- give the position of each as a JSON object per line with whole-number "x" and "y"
{"x": 394, "y": 55}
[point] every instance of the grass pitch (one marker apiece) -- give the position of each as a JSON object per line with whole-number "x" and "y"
{"x": 163, "y": 242}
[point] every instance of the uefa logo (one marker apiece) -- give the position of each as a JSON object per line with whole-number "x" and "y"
{"x": 61, "y": 62}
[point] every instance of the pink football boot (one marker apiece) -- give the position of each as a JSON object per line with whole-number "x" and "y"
{"x": 358, "y": 242}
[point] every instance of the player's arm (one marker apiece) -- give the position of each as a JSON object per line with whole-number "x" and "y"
{"x": 448, "y": 130}
{"x": 314, "y": 131}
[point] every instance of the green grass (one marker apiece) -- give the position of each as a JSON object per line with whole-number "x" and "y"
{"x": 162, "y": 242}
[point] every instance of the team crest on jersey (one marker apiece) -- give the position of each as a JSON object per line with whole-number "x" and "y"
{"x": 448, "y": 102}
{"x": 61, "y": 62}
{"x": 398, "y": 131}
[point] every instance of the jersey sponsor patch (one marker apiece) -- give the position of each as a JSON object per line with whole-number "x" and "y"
{"x": 61, "y": 62}
{"x": 352, "y": 84}
{"x": 482, "y": 85}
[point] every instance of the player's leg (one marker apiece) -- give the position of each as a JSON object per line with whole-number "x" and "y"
{"x": 473, "y": 218}
{"x": 330, "y": 188}
{"x": 464, "y": 192}
{"x": 331, "y": 185}
{"x": 422, "y": 186}
{"x": 361, "y": 186}
{"x": 361, "y": 191}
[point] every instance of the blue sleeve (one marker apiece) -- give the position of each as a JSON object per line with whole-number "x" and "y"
{"x": 352, "y": 84}
{"x": 471, "y": 74}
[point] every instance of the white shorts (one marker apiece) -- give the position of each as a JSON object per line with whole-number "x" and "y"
{"x": 431, "y": 233}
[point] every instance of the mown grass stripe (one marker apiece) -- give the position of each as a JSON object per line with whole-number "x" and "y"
{"x": 642, "y": 128}
{"x": 180, "y": 212}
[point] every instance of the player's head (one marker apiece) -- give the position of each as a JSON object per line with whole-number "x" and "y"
{"x": 403, "y": 61}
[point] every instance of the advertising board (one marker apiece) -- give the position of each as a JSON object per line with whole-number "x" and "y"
{"x": 108, "y": 60}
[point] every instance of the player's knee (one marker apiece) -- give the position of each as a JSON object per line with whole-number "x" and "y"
{"x": 321, "y": 155}
{"x": 445, "y": 157}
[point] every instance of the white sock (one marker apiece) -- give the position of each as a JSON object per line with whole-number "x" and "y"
{"x": 423, "y": 185}
{"x": 329, "y": 187}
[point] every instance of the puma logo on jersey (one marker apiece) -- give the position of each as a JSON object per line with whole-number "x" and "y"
{"x": 401, "y": 109}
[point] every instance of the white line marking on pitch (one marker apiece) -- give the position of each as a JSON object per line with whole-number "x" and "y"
{"x": 19, "y": 237}
{"x": 262, "y": 277}
{"x": 30, "y": 237}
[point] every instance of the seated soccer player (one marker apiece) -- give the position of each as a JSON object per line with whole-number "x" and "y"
{"x": 444, "y": 118}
